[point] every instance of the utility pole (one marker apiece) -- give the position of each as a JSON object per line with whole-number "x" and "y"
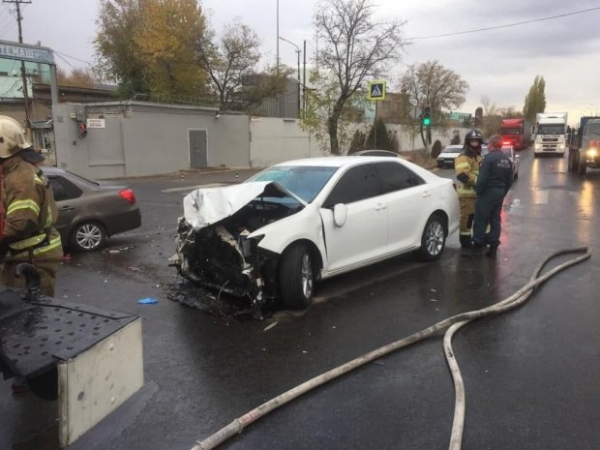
{"x": 23, "y": 72}
{"x": 304, "y": 80}
{"x": 298, "y": 51}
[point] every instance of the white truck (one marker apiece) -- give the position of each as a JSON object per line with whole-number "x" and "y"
{"x": 550, "y": 134}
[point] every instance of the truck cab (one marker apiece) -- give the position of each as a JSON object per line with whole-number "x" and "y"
{"x": 584, "y": 149}
{"x": 516, "y": 133}
{"x": 550, "y": 134}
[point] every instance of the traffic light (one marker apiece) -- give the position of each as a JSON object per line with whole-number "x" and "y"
{"x": 426, "y": 126}
{"x": 426, "y": 117}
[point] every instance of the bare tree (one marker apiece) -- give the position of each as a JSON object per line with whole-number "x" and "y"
{"x": 230, "y": 59}
{"x": 78, "y": 78}
{"x": 431, "y": 84}
{"x": 492, "y": 115}
{"x": 355, "y": 47}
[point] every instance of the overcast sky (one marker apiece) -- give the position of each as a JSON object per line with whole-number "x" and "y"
{"x": 500, "y": 64}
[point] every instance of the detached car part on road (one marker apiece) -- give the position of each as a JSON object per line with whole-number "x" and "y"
{"x": 90, "y": 212}
{"x": 297, "y": 222}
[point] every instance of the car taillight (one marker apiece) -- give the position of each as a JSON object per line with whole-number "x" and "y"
{"x": 128, "y": 195}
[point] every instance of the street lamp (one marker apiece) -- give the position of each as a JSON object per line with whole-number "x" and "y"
{"x": 298, "y": 51}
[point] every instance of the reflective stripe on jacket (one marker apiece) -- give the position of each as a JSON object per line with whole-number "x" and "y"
{"x": 469, "y": 166}
{"x": 30, "y": 212}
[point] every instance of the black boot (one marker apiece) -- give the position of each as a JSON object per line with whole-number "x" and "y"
{"x": 474, "y": 251}
{"x": 491, "y": 253}
{"x": 465, "y": 241}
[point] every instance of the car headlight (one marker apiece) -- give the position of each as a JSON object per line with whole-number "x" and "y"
{"x": 591, "y": 152}
{"x": 538, "y": 146}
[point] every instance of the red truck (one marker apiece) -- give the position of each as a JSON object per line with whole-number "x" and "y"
{"x": 515, "y": 132}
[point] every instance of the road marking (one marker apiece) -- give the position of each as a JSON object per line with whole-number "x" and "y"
{"x": 193, "y": 188}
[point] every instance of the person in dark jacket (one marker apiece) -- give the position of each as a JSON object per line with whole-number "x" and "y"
{"x": 494, "y": 180}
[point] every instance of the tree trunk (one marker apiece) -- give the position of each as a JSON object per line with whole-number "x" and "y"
{"x": 332, "y": 127}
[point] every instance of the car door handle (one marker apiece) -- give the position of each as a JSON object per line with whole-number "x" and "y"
{"x": 380, "y": 206}
{"x": 426, "y": 194}
{"x": 66, "y": 208}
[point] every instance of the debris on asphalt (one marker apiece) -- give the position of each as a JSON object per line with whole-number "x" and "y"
{"x": 147, "y": 301}
{"x": 267, "y": 328}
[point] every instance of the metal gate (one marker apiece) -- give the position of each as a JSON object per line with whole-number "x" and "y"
{"x": 198, "y": 149}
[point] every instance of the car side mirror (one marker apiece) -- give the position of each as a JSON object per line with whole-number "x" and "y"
{"x": 340, "y": 212}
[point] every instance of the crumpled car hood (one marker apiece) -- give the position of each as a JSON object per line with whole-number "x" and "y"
{"x": 207, "y": 206}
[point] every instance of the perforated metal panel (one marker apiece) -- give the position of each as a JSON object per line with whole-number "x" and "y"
{"x": 34, "y": 336}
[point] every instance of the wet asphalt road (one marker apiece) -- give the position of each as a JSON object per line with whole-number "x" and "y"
{"x": 530, "y": 375}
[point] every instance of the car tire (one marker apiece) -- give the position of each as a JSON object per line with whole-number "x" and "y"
{"x": 582, "y": 169}
{"x": 433, "y": 239}
{"x": 87, "y": 237}
{"x": 296, "y": 277}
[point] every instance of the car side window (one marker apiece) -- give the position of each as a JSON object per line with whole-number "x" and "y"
{"x": 395, "y": 177}
{"x": 63, "y": 189}
{"x": 358, "y": 183}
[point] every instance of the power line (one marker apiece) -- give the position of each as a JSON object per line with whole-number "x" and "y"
{"x": 505, "y": 26}
{"x": 72, "y": 57}
{"x": 58, "y": 54}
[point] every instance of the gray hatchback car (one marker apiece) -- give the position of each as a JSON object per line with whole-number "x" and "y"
{"x": 90, "y": 212}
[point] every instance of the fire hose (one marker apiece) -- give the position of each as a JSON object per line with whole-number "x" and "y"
{"x": 452, "y": 324}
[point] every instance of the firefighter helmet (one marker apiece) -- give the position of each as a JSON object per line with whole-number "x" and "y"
{"x": 473, "y": 135}
{"x": 12, "y": 137}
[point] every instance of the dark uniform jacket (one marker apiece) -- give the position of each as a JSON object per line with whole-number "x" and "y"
{"x": 495, "y": 172}
{"x": 30, "y": 213}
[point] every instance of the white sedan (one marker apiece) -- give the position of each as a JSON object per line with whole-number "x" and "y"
{"x": 297, "y": 222}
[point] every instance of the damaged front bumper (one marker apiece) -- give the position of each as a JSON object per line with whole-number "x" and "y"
{"x": 215, "y": 258}
{"x": 217, "y": 244}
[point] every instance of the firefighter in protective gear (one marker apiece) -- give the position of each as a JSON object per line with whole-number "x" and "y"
{"x": 29, "y": 211}
{"x": 466, "y": 167}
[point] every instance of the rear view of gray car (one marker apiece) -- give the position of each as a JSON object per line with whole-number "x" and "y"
{"x": 90, "y": 212}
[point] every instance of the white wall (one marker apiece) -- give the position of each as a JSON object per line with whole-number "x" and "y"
{"x": 145, "y": 139}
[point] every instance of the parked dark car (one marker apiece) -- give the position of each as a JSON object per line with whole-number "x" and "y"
{"x": 90, "y": 212}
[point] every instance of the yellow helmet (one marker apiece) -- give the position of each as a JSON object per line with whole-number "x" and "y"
{"x": 12, "y": 137}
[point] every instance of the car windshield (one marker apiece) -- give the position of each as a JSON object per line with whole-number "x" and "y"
{"x": 304, "y": 181}
{"x": 506, "y": 151}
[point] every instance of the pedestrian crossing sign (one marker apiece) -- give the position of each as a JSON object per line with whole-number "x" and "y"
{"x": 376, "y": 90}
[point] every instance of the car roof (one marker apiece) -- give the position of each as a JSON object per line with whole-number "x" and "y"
{"x": 376, "y": 152}
{"x": 453, "y": 147}
{"x": 334, "y": 161}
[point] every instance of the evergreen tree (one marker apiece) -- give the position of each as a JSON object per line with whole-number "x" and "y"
{"x": 378, "y": 136}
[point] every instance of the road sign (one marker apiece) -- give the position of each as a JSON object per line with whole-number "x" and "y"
{"x": 376, "y": 90}
{"x": 24, "y": 52}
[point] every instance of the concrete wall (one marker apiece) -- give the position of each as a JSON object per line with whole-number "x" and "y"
{"x": 274, "y": 140}
{"x": 141, "y": 139}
